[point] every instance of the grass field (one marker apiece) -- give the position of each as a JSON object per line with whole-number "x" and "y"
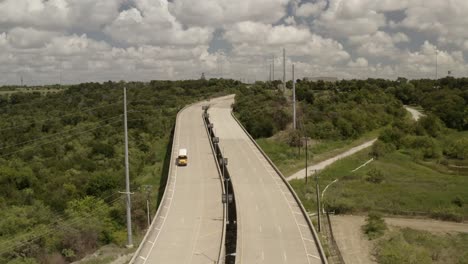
{"x": 288, "y": 160}
{"x": 407, "y": 187}
{"x": 412, "y": 246}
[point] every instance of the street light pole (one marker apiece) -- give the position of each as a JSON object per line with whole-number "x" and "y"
{"x": 318, "y": 199}
{"x": 306, "y": 158}
{"x": 294, "y": 98}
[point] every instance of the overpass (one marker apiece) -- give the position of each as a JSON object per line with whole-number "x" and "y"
{"x": 189, "y": 224}
{"x": 272, "y": 225}
{"x": 189, "y": 227}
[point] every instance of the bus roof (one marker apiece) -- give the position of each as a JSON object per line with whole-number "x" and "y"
{"x": 183, "y": 152}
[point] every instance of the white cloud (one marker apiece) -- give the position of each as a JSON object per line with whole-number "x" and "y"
{"x": 311, "y": 9}
{"x": 98, "y": 40}
{"x": 444, "y": 19}
{"x": 225, "y": 12}
{"x": 359, "y": 62}
{"x": 258, "y": 39}
{"x": 380, "y": 44}
{"x": 150, "y": 22}
{"x": 290, "y": 21}
{"x": 59, "y": 14}
{"x": 348, "y": 18}
{"x": 400, "y": 38}
{"x": 266, "y": 34}
{"x": 29, "y": 37}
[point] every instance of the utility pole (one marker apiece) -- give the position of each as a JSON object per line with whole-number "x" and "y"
{"x": 284, "y": 69}
{"x": 306, "y": 158}
{"x": 127, "y": 177}
{"x": 318, "y": 199}
{"x": 269, "y": 71}
{"x": 294, "y": 98}
{"x": 437, "y": 53}
{"x": 273, "y": 68}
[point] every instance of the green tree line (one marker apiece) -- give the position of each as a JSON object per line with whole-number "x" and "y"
{"x": 61, "y": 163}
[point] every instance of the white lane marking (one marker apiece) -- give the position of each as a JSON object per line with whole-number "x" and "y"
{"x": 143, "y": 258}
{"x": 263, "y": 255}
{"x": 260, "y": 228}
{"x": 313, "y": 256}
{"x": 284, "y": 256}
{"x": 256, "y": 207}
{"x": 279, "y": 229}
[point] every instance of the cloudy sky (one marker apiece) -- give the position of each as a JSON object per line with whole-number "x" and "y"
{"x": 72, "y": 41}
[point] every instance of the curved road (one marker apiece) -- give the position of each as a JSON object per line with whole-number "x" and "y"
{"x": 271, "y": 226}
{"x": 189, "y": 225}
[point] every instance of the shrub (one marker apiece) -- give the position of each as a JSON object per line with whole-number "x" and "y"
{"x": 398, "y": 250}
{"x": 380, "y": 149}
{"x": 375, "y": 176}
{"x": 375, "y": 226}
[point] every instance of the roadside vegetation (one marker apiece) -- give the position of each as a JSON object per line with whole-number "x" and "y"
{"x": 419, "y": 168}
{"x": 412, "y": 246}
{"x": 62, "y": 164}
{"x": 330, "y": 118}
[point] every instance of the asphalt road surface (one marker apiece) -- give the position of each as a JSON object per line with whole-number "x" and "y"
{"x": 271, "y": 226}
{"x": 189, "y": 227}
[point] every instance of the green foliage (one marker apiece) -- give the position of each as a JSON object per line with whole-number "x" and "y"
{"x": 375, "y": 226}
{"x": 380, "y": 149}
{"x": 412, "y": 246}
{"x": 457, "y": 148}
{"x": 263, "y": 112}
{"x": 375, "y": 176}
{"x": 61, "y": 161}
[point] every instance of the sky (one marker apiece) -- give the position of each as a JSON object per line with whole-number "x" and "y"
{"x": 73, "y": 41}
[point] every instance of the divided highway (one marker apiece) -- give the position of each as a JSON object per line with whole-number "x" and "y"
{"x": 189, "y": 224}
{"x": 271, "y": 225}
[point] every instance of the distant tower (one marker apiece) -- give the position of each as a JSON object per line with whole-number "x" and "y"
{"x": 21, "y": 80}
{"x": 273, "y": 69}
{"x": 203, "y": 76}
{"x": 284, "y": 68}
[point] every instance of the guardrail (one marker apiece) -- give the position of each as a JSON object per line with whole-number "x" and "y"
{"x": 229, "y": 198}
{"x": 304, "y": 212}
{"x": 223, "y": 236}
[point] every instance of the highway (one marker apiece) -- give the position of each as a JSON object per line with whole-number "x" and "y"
{"x": 188, "y": 227}
{"x": 271, "y": 226}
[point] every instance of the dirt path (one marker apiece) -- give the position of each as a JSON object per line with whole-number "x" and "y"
{"x": 356, "y": 248}
{"x": 414, "y": 113}
{"x": 322, "y": 165}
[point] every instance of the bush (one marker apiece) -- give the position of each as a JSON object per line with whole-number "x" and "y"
{"x": 380, "y": 149}
{"x": 447, "y": 214}
{"x": 375, "y": 226}
{"x": 457, "y": 149}
{"x": 398, "y": 250}
{"x": 375, "y": 176}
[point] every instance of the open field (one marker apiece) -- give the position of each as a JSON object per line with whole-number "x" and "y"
{"x": 406, "y": 187}
{"x": 356, "y": 248}
{"x": 288, "y": 160}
